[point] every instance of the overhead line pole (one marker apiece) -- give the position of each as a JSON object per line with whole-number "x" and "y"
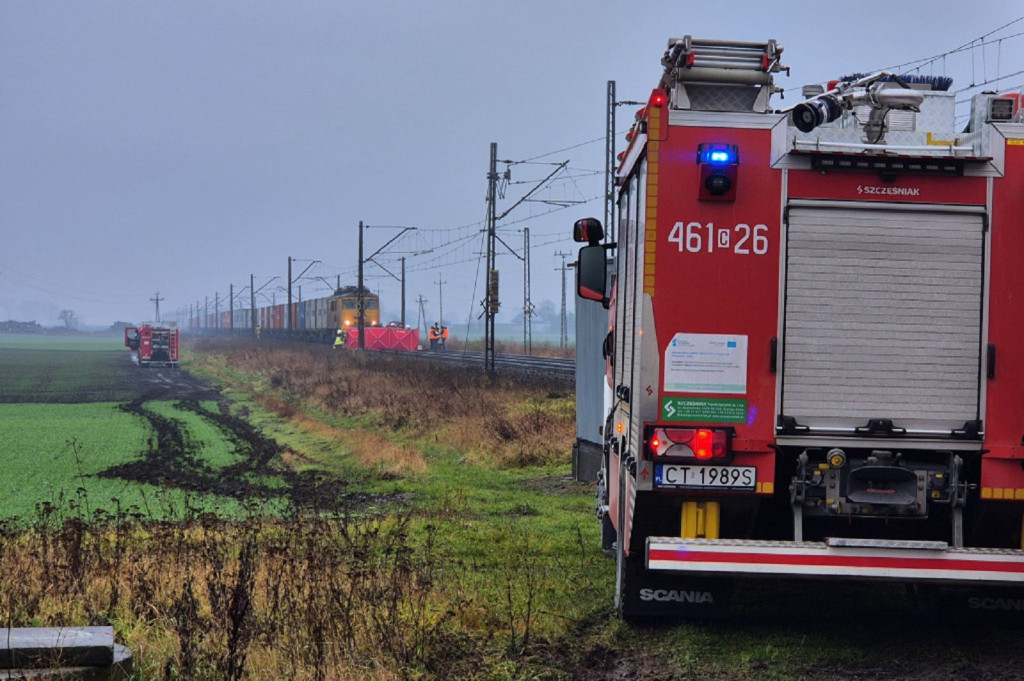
{"x": 440, "y": 299}
{"x": 609, "y": 162}
{"x": 527, "y": 303}
{"x": 491, "y": 292}
{"x": 564, "y": 335}
{"x": 290, "y": 316}
{"x": 361, "y": 305}
{"x": 370, "y": 258}
{"x": 609, "y": 159}
{"x": 422, "y": 314}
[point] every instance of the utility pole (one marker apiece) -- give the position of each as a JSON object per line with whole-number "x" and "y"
{"x": 361, "y": 305}
{"x": 422, "y": 315}
{"x": 440, "y": 300}
{"x": 216, "y": 309}
{"x": 231, "y": 307}
{"x": 252, "y": 305}
{"x": 527, "y": 303}
{"x": 564, "y": 336}
{"x": 252, "y": 299}
{"x": 156, "y": 299}
{"x": 371, "y": 258}
{"x": 609, "y": 159}
{"x": 491, "y": 294}
{"x": 609, "y": 162}
{"x": 290, "y": 317}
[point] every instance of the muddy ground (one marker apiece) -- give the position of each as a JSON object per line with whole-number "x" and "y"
{"x": 173, "y": 457}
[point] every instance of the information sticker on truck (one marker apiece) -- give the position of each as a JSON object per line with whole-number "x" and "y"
{"x": 705, "y": 477}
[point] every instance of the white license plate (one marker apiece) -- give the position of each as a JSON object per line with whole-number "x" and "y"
{"x": 705, "y": 477}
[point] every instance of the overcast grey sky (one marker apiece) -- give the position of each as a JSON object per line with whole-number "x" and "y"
{"x": 178, "y": 146}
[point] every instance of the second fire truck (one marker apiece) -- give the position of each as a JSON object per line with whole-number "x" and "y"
{"x": 153, "y": 345}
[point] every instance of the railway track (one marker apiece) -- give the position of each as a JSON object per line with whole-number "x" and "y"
{"x": 564, "y": 368}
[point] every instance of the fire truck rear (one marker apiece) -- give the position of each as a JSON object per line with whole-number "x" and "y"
{"x": 153, "y": 345}
{"x": 814, "y": 358}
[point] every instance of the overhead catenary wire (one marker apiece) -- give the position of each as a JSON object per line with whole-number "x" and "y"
{"x": 438, "y": 247}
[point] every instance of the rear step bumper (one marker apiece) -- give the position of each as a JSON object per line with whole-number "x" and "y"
{"x": 927, "y": 561}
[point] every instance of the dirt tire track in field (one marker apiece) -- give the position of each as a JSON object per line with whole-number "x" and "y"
{"x": 170, "y": 460}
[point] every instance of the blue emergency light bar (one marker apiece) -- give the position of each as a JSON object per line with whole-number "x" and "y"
{"x": 718, "y": 154}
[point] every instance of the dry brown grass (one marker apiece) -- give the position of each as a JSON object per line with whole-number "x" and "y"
{"x": 495, "y": 419}
{"x": 311, "y": 597}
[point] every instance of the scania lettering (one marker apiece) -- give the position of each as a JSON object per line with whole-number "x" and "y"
{"x": 1005, "y": 604}
{"x": 813, "y": 357}
{"x": 668, "y": 595}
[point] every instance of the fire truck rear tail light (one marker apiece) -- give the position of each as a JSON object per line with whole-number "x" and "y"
{"x": 689, "y": 443}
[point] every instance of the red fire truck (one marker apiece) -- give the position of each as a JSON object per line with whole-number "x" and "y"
{"x": 153, "y": 345}
{"x": 815, "y": 365}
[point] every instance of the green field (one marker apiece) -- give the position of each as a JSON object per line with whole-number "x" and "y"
{"x": 67, "y": 445}
{"x": 65, "y": 369}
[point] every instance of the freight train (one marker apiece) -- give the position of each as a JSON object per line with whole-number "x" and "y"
{"x": 315, "y": 318}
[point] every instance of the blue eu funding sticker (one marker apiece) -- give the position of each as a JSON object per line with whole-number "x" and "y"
{"x": 730, "y": 344}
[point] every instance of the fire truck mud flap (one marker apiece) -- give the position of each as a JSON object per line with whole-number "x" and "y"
{"x": 648, "y": 593}
{"x": 983, "y": 603}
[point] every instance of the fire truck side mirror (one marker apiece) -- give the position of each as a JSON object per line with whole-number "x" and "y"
{"x": 587, "y": 230}
{"x": 592, "y": 274}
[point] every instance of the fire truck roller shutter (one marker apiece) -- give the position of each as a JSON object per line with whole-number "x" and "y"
{"x": 882, "y": 317}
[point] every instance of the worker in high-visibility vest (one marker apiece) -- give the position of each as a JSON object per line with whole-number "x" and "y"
{"x": 434, "y": 335}
{"x": 340, "y": 339}
{"x": 444, "y": 338}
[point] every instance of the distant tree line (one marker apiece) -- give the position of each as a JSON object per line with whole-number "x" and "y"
{"x": 21, "y": 327}
{"x": 11, "y": 326}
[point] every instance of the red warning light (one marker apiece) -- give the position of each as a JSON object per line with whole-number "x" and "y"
{"x": 702, "y": 443}
{"x": 659, "y": 99}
